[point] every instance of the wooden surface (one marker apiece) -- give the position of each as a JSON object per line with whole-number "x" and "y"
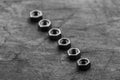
{"x": 92, "y": 25}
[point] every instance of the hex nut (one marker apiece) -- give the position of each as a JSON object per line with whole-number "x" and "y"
{"x": 64, "y": 44}
{"x": 83, "y": 64}
{"x": 36, "y": 16}
{"x": 44, "y": 25}
{"x": 54, "y": 34}
{"x": 74, "y": 54}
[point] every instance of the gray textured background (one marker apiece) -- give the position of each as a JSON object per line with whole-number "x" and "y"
{"x": 92, "y": 25}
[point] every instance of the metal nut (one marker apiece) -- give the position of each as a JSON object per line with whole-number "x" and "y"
{"x": 64, "y": 43}
{"x": 55, "y": 34}
{"x": 35, "y": 16}
{"x": 74, "y": 54}
{"x": 83, "y": 64}
{"x": 44, "y": 25}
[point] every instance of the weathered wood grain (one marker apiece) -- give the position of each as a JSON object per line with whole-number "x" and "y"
{"x": 92, "y": 25}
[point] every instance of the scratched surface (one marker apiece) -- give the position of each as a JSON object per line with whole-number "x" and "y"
{"x": 92, "y": 25}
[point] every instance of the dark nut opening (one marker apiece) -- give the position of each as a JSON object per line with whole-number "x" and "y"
{"x": 64, "y": 41}
{"x": 35, "y": 13}
{"x": 83, "y": 61}
{"x": 54, "y": 31}
{"x": 45, "y": 22}
{"x": 74, "y": 51}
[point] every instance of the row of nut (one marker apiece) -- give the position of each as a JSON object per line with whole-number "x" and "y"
{"x": 74, "y": 54}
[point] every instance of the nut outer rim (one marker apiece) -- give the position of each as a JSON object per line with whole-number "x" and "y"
{"x": 59, "y": 32}
{"x": 39, "y": 15}
{"x": 78, "y": 52}
{"x": 88, "y": 61}
{"x": 59, "y": 42}
{"x": 49, "y": 23}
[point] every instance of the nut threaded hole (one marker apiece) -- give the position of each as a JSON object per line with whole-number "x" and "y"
{"x": 83, "y": 61}
{"x": 54, "y": 31}
{"x": 35, "y": 13}
{"x": 73, "y": 51}
{"x": 64, "y": 41}
{"x": 45, "y": 22}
